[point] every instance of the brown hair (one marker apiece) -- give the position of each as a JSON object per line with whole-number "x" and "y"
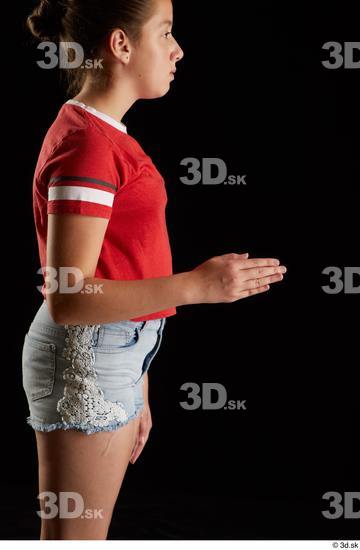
{"x": 87, "y": 22}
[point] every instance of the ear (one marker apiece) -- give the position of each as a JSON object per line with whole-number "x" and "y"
{"x": 119, "y": 45}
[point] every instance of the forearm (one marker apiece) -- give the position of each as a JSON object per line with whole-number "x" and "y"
{"x": 120, "y": 300}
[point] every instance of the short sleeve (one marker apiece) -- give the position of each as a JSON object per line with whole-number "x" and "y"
{"x": 81, "y": 176}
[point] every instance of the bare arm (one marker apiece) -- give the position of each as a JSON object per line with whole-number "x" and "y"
{"x": 122, "y": 300}
{"x": 75, "y": 240}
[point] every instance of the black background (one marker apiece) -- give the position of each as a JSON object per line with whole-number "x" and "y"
{"x": 252, "y": 91}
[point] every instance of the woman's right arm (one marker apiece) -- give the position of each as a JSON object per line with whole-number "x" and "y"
{"x": 75, "y": 241}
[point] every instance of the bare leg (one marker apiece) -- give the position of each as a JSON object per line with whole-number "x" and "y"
{"x": 93, "y": 466}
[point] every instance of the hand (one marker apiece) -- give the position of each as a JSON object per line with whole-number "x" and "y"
{"x": 145, "y": 426}
{"x": 230, "y": 277}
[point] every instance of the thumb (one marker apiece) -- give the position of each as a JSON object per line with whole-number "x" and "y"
{"x": 245, "y": 255}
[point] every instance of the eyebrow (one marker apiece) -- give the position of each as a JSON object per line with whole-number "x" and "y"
{"x": 167, "y": 22}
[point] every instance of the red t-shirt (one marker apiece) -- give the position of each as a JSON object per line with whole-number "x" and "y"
{"x": 89, "y": 165}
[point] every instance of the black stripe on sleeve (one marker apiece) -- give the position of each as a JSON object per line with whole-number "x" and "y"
{"x": 80, "y": 178}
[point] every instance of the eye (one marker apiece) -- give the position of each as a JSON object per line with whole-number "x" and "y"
{"x": 167, "y": 33}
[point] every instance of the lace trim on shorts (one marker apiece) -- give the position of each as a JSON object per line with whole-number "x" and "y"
{"x": 83, "y": 402}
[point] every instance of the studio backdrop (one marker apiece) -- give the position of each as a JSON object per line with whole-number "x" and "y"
{"x": 255, "y": 403}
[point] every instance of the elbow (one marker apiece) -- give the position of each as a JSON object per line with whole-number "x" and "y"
{"x": 57, "y": 309}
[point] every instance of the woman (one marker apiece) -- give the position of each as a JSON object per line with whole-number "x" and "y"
{"x": 99, "y": 209}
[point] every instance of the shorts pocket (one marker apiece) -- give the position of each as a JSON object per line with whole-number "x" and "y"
{"x": 117, "y": 338}
{"x": 38, "y": 367}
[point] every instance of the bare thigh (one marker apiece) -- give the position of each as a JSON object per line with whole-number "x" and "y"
{"x": 93, "y": 466}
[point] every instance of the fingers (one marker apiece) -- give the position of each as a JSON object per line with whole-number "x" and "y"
{"x": 254, "y": 275}
{"x": 267, "y": 280}
{"x": 261, "y": 272}
{"x": 258, "y": 262}
{"x": 248, "y": 263}
{"x": 142, "y": 437}
{"x": 140, "y": 444}
{"x": 262, "y": 281}
{"x": 261, "y": 284}
{"x": 251, "y": 291}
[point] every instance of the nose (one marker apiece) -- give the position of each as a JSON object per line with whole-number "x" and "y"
{"x": 179, "y": 53}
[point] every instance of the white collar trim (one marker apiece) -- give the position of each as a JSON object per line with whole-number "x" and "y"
{"x": 110, "y": 120}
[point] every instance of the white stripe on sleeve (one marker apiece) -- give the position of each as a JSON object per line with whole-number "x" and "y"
{"x": 79, "y": 193}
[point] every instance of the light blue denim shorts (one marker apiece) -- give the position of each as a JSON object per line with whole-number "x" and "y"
{"x": 86, "y": 377}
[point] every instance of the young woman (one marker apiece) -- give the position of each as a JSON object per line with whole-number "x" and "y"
{"x": 99, "y": 208}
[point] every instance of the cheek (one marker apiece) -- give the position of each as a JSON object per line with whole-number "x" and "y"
{"x": 153, "y": 69}
{"x": 157, "y": 55}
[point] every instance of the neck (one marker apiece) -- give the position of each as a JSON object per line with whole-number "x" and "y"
{"x": 114, "y": 101}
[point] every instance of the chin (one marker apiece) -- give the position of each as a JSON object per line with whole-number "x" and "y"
{"x": 164, "y": 92}
{"x": 156, "y": 93}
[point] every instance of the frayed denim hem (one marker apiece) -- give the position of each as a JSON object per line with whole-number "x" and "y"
{"x": 43, "y": 427}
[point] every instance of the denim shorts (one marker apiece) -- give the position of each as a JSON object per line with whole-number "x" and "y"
{"x": 86, "y": 377}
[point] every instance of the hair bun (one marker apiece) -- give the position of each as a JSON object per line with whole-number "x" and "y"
{"x": 45, "y": 21}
